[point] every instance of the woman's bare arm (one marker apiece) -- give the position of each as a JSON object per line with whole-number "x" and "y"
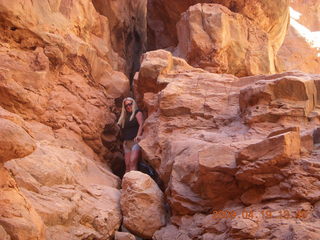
{"x": 140, "y": 120}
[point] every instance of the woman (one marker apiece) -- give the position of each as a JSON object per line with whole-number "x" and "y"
{"x": 131, "y": 121}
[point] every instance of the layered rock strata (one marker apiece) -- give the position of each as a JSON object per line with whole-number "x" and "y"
{"x": 60, "y": 74}
{"x": 18, "y": 218}
{"x": 210, "y": 37}
{"x": 163, "y": 15}
{"x": 217, "y": 40}
{"x": 57, "y": 192}
{"x": 243, "y": 147}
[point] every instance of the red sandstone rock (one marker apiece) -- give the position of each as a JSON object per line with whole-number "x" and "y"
{"x": 272, "y": 17}
{"x": 60, "y": 74}
{"x": 59, "y": 64}
{"x": 297, "y": 53}
{"x": 69, "y": 71}
{"x": 300, "y": 49}
{"x": 3, "y": 234}
{"x": 124, "y": 236}
{"x": 259, "y": 163}
{"x": 142, "y": 204}
{"x": 18, "y": 218}
{"x": 215, "y": 39}
{"x": 14, "y": 141}
{"x": 127, "y": 22}
{"x": 67, "y": 189}
{"x": 199, "y": 121}
{"x": 279, "y": 96}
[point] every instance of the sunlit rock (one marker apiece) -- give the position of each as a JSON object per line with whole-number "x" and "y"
{"x": 213, "y": 38}
{"x": 142, "y": 204}
{"x": 300, "y": 50}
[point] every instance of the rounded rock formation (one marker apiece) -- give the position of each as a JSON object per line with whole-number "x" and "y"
{"x": 15, "y": 142}
{"x": 142, "y": 204}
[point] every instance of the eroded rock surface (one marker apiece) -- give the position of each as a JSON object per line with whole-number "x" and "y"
{"x": 265, "y": 23}
{"x": 15, "y": 141}
{"x": 127, "y": 23}
{"x": 215, "y": 39}
{"x": 142, "y": 204}
{"x": 239, "y": 157}
{"x": 222, "y": 143}
{"x": 18, "y": 218}
{"x": 124, "y": 236}
{"x": 300, "y": 49}
{"x": 60, "y": 73}
{"x": 57, "y": 192}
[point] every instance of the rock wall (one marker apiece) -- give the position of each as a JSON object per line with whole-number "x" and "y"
{"x": 215, "y": 39}
{"x": 238, "y": 156}
{"x": 163, "y": 15}
{"x": 300, "y": 50}
{"x": 18, "y": 218}
{"x": 127, "y": 23}
{"x": 61, "y": 74}
{"x": 54, "y": 73}
{"x": 268, "y": 25}
{"x": 58, "y": 192}
{"x": 309, "y": 11}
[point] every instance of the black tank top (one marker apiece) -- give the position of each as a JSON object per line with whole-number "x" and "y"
{"x": 130, "y": 129}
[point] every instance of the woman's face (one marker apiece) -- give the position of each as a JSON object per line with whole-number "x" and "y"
{"x": 128, "y": 105}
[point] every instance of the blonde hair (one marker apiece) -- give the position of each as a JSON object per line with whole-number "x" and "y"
{"x": 123, "y": 115}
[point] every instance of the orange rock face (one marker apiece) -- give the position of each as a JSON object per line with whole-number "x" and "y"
{"x": 60, "y": 73}
{"x": 238, "y": 154}
{"x": 215, "y": 39}
{"x": 142, "y": 204}
{"x": 18, "y": 218}
{"x": 209, "y": 38}
{"x": 127, "y": 23}
{"x": 55, "y": 187}
{"x": 56, "y": 74}
{"x": 163, "y": 15}
{"x": 229, "y": 149}
{"x": 15, "y": 142}
{"x": 300, "y": 49}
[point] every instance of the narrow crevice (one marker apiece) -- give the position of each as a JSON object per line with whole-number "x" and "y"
{"x": 137, "y": 50}
{"x": 127, "y": 36}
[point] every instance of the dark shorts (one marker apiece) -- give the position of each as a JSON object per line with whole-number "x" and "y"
{"x": 130, "y": 145}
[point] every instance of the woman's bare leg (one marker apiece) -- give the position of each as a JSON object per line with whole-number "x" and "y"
{"x": 127, "y": 157}
{"x": 134, "y": 159}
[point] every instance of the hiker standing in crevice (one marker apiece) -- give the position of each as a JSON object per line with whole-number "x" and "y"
{"x": 131, "y": 121}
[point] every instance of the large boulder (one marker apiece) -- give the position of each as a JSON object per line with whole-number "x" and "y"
{"x": 163, "y": 15}
{"x": 213, "y": 38}
{"x": 226, "y": 145}
{"x": 142, "y": 204}
{"x": 292, "y": 94}
{"x": 300, "y": 49}
{"x": 260, "y": 163}
{"x": 73, "y": 195}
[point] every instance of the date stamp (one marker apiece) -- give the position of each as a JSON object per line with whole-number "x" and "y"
{"x": 266, "y": 214}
